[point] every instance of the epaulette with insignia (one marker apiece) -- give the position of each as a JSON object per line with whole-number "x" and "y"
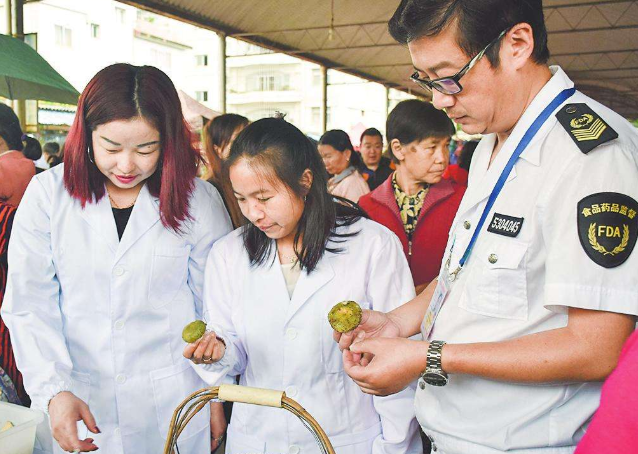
{"x": 585, "y": 127}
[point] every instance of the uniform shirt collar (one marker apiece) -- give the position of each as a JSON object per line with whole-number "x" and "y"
{"x": 558, "y": 82}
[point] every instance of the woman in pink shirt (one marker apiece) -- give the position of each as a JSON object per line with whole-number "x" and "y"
{"x": 614, "y": 428}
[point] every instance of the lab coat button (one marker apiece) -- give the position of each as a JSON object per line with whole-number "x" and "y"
{"x": 493, "y": 258}
{"x": 294, "y": 449}
{"x": 291, "y": 334}
{"x": 421, "y": 384}
{"x": 119, "y": 324}
{"x": 116, "y": 432}
{"x": 120, "y": 379}
{"x": 291, "y": 391}
{"x": 118, "y": 271}
{"x": 467, "y": 225}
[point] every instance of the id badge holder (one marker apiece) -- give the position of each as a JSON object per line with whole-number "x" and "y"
{"x": 438, "y": 298}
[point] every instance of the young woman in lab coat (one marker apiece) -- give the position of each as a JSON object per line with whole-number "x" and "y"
{"x": 269, "y": 287}
{"x": 106, "y": 266}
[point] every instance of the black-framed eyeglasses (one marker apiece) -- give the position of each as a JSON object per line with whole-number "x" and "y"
{"x": 451, "y": 85}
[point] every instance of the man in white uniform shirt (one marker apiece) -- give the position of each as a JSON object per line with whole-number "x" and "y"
{"x": 538, "y": 288}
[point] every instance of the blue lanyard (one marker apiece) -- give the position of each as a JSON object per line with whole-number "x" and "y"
{"x": 522, "y": 145}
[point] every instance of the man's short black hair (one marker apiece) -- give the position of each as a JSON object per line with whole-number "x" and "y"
{"x": 414, "y": 120}
{"x": 51, "y": 148}
{"x": 371, "y": 132}
{"x": 478, "y": 22}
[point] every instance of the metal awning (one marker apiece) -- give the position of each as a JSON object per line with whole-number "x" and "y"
{"x": 596, "y": 42}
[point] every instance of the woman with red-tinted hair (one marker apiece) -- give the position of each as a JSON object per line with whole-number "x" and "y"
{"x": 106, "y": 266}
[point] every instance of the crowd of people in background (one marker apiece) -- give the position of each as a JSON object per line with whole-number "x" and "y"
{"x": 259, "y": 231}
{"x": 400, "y": 186}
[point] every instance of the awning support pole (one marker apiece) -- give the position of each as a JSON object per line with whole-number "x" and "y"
{"x": 324, "y": 99}
{"x": 18, "y": 32}
{"x": 222, "y": 73}
{"x": 7, "y": 16}
{"x": 387, "y": 101}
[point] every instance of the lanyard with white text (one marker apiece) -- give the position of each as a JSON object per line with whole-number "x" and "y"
{"x": 522, "y": 145}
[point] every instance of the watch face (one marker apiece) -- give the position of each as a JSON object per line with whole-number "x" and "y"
{"x": 435, "y": 379}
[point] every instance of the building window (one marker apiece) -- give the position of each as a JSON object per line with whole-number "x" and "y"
{"x": 266, "y": 83}
{"x": 201, "y": 60}
{"x": 201, "y": 96}
{"x": 315, "y": 114}
{"x": 316, "y": 77}
{"x": 63, "y": 36}
{"x": 161, "y": 59}
{"x": 269, "y": 82}
{"x": 32, "y": 40}
{"x": 120, "y": 14}
{"x": 95, "y": 30}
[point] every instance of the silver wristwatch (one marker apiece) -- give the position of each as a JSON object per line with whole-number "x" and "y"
{"x": 434, "y": 374}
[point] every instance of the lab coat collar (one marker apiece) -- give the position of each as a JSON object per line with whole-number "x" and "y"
{"x": 309, "y": 284}
{"x": 271, "y": 282}
{"x": 485, "y": 176}
{"x": 100, "y": 218}
{"x": 144, "y": 216}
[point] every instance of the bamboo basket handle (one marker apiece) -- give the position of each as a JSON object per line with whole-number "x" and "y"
{"x": 243, "y": 394}
{"x": 254, "y": 396}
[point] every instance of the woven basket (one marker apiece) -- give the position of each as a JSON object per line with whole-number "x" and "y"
{"x": 233, "y": 393}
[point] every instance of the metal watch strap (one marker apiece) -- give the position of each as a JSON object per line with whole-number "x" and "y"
{"x": 434, "y": 356}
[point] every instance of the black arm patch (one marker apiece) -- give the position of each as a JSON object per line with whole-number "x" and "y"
{"x": 585, "y": 127}
{"x": 608, "y": 227}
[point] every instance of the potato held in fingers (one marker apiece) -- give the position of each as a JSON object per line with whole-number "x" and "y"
{"x": 345, "y": 316}
{"x": 193, "y": 331}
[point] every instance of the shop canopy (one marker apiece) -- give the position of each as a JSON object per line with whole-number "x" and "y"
{"x": 596, "y": 42}
{"x": 24, "y": 74}
{"x": 195, "y": 113}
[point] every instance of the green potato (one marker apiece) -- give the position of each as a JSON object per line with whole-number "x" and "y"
{"x": 193, "y": 331}
{"x": 345, "y": 316}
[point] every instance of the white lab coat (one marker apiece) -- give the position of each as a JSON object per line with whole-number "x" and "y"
{"x": 280, "y": 343}
{"x": 102, "y": 318}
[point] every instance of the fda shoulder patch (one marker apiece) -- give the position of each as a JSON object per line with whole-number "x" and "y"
{"x": 585, "y": 127}
{"x": 608, "y": 227}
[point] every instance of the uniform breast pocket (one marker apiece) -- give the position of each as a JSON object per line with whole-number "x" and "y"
{"x": 497, "y": 283}
{"x": 168, "y": 273}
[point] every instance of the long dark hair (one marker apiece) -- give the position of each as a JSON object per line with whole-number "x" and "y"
{"x": 218, "y": 133}
{"x": 120, "y": 92}
{"x": 281, "y": 150}
{"x": 340, "y": 141}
